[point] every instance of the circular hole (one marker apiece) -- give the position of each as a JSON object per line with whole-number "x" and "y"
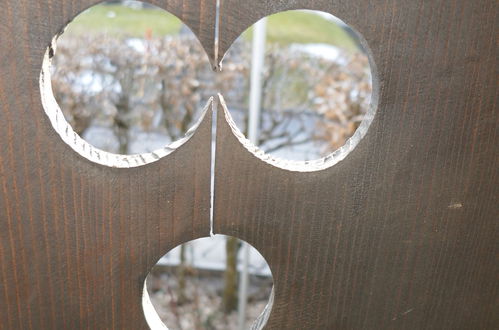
{"x": 199, "y": 285}
{"x": 127, "y": 77}
{"x": 299, "y": 86}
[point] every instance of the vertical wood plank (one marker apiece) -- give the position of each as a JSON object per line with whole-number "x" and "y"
{"x": 400, "y": 234}
{"x": 76, "y": 238}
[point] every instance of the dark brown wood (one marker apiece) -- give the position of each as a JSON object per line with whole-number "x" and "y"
{"x": 401, "y": 234}
{"x": 77, "y": 239}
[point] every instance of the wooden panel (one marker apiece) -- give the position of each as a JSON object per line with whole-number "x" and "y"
{"x": 76, "y": 238}
{"x": 402, "y": 234}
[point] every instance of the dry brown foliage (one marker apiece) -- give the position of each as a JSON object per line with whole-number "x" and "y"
{"x": 161, "y": 85}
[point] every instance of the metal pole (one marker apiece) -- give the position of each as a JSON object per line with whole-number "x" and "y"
{"x": 257, "y": 56}
{"x": 258, "y": 53}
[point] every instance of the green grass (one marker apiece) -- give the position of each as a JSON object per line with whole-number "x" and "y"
{"x": 305, "y": 27}
{"x": 127, "y": 22}
{"x": 283, "y": 28}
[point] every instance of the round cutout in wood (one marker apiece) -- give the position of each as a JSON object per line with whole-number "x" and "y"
{"x": 204, "y": 284}
{"x": 300, "y": 85}
{"x": 123, "y": 84}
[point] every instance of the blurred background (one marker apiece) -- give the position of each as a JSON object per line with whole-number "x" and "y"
{"x": 132, "y": 78}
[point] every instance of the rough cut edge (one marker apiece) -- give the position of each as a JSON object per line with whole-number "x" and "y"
{"x": 152, "y": 317}
{"x": 85, "y": 149}
{"x": 337, "y": 155}
{"x": 262, "y": 319}
{"x": 303, "y": 166}
{"x": 155, "y": 322}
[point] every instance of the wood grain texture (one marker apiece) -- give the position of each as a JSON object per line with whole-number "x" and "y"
{"x": 77, "y": 239}
{"x": 399, "y": 235}
{"x": 402, "y": 234}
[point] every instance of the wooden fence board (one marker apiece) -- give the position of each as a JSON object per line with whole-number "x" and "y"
{"x": 77, "y": 238}
{"x": 401, "y": 234}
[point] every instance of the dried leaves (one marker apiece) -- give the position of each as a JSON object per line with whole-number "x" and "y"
{"x": 161, "y": 84}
